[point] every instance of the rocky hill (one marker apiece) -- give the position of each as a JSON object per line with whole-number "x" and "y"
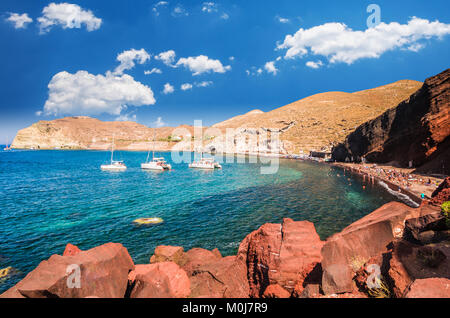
{"x": 314, "y": 123}
{"x": 416, "y": 131}
{"x": 90, "y": 133}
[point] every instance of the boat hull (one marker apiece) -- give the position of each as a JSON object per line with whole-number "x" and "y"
{"x": 146, "y": 166}
{"x": 112, "y": 168}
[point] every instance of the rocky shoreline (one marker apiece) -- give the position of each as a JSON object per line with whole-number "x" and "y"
{"x": 395, "y": 251}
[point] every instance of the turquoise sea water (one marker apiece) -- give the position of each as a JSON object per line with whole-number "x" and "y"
{"x": 51, "y": 198}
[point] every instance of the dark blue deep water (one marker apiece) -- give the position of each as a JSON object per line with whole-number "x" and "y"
{"x": 51, "y": 198}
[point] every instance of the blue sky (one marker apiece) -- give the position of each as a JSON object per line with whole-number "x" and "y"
{"x": 223, "y": 51}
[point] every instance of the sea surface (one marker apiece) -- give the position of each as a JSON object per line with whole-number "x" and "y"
{"x": 51, "y": 198}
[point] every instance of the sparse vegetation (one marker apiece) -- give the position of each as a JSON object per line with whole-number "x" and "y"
{"x": 382, "y": 291}
{"x": 445, "y": 208}
{"x": 356, "y": 262}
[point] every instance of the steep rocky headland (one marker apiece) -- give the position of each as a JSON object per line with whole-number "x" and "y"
{"x": 416, "y": 131}
{"x": 83, "y": 132}
{"x": 395, "y": 251}
{"x": 312, "y": 124}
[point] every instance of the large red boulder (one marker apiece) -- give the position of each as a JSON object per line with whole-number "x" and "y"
{"x": 101, "y": 271}
{"x": 224, "y": 278}
{"x": 277, "y": 254}
{"x": 442, "y": 193}
{"x": 398, "y": 275}
{"x": 189, "y": 260}
{"x": 168, "y": 254}
{"x": 160, "y": 280}
{"x": 276, "y": 291}
{"x": 196, "y": 257}
{"x": 360, "y": 241}
{"x": 429, "y": 288}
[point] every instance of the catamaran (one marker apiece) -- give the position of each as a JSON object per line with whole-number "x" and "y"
{"x": 205, "y": 163}
{"x": 114, "y": 165}
{"x": 158, "y": 164}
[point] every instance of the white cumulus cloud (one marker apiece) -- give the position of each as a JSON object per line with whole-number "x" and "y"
{"x": 152, "y": 71}
{"x": 314, "y": 65}
{"x": 204, "y": 84}
{"x": 129, "y": 58}
{"x": 339, "y": 43}
{"x": 168, "y": 89}
{"x": 167, "y": 57}
{"x": 202, "y": 64}
{"x": 271, "y": 68}
{"x": 83, "y": 93}
{"x": 68, "y": 16}
{"x": 186, "y": 86}
{"x": 20, "y": 21}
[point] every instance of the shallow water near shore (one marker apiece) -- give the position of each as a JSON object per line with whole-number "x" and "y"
{"x": 51, "y": 198}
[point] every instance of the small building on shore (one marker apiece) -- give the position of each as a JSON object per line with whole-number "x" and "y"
{"x": 320, "y": 154}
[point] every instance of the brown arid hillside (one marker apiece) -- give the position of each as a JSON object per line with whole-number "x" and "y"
{"x": 89, "y": 133}
{"x": 320, "y": 121}
{"x": 416, "y": 132}
{"x": 314, "y": 123}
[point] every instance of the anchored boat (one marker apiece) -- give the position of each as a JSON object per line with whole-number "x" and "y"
{"x": 157, "y": 164}
{"x": 205, "y": 163}
{"x": 114, "y": 165}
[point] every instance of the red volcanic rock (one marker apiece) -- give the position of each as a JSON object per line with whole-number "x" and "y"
{"x": 311, "y": 275}
{"x": 101, "y": 271}
{"x": 197, "y": 257}
{"x": 168, "y": 254}
{"x": 160, "y": 280}
{"x": 442, "y": 193}
{"x": 224, "y": 278}
{"x": 398, "y": 275}
{"x": 429, "y": 288}
{"x": 276, "y": 291}
{"x": 311, "y": 291}
{"x": 432, "y": 221}
{"x": 189, "y": 260}
{"x": 416, "y": 131}
{"x": 71, "y": 250}
{"x": 360, "y": 241}
{"x": 276, "y": 254}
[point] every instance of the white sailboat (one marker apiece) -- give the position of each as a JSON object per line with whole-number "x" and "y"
{"x": 114, "y": 165}
{"x": 7, "y": 148}
{"x": 157, "y": 164}
{"x": 205, "y": 163}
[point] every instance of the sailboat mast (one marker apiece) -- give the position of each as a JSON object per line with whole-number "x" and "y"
{"x": 112, "y": 149}
{"x": 154, "y": 133}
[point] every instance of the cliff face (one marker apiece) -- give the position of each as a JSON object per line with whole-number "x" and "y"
{"x": 90, "y": 133}
{"x": 314, "y": 123}
{"x": 416, "y": 130}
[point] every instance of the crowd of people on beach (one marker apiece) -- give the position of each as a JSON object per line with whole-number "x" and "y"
{"x": 403, "y": 179}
